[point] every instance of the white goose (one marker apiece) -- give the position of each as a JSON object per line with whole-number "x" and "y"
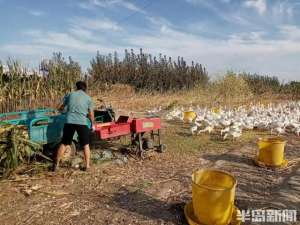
{"x": 296, "y": 129}
{"x": 233, "y": 134}
{"x": 208, "y": 129}
{"x": 277, "y": 118}
{"x": 194, "y": 127}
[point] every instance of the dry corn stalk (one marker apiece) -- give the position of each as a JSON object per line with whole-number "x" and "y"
{"x": 15, "y": 147}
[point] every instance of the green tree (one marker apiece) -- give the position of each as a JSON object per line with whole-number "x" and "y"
{"x": 145, "y": 72}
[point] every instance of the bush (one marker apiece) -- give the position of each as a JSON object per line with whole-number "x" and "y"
{"x": 145, "y": 72}
{"x": 1, "y": 68}
{"x": 262, "y": 84}
{"x": 231, "y": 87}
{"x": 292, "y": 89}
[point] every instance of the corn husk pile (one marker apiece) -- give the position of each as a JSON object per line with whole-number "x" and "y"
{"x": 15, "y": 147}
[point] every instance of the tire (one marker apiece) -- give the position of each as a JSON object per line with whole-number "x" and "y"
{"x": 142, "y": 154}
{"x": 148, "y": 144}
{"x": 162, "y": 148}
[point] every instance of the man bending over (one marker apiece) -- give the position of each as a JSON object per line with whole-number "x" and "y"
{"x": 78, "y": 107}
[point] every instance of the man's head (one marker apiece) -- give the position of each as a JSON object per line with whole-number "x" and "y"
{"x": 81, "y": 85}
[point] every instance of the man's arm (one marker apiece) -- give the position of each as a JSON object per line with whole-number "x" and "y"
{"x": 92, "y": 116}
{"x": 60, "y": 107}
{"x": 91, "y": 112}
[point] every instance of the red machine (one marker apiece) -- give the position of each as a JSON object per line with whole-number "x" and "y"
{"x": 138, "y": 128}
{"x": 114, "y": 129}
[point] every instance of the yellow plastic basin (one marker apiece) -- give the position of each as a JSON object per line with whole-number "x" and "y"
{"x": 216, "y": 110}
{"x": 192, "y": 220}
{"x": 271, "y": 151}
{"x": 189, "y": 116}
{"x": 213, "y": 194}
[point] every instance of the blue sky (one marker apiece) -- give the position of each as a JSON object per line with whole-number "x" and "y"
{"x": 260, "y": 36}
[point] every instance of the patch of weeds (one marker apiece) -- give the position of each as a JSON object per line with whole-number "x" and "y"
{"x": 172, "y": 105}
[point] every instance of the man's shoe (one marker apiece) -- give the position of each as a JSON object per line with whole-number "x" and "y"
{"x": 86, "y": 169}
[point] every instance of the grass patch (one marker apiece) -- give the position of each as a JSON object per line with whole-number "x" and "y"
{"x": 177, "y": 137}
{"x": 172, "y": 105}
{"x": 143, "y": 184}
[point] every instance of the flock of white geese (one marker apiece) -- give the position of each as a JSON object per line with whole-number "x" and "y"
{"x": 279, "y": 119}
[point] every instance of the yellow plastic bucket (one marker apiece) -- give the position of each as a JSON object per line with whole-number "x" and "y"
{"x": 213, "y": 194}
{"x": 189, "y": 116}
{"x": 216, "y": 110}
{"x": 271, "y": 151}
{"x": 192, "y": 220}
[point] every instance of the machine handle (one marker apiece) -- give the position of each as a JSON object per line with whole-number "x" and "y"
{"x": 10, "y": 116}
{"x": 32, "y": 122}
{"x": 99, "y": 119}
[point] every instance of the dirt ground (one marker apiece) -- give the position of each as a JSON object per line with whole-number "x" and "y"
{"x": 154, "y": 190}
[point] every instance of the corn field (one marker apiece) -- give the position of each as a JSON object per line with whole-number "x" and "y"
{"x": 19, "y": 91}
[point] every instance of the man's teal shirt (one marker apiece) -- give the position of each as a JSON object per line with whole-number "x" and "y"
{"x": 77, "y": 106}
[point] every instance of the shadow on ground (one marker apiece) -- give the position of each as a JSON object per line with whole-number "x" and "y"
{"x": 149, "y": 207}
{"x": 234, "y": 158}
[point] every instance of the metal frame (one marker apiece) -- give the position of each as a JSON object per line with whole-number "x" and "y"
{"x": 137, "y": 141}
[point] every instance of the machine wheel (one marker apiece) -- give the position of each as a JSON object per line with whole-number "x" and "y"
{"x": 135, "y": 147}
{"x": 143, "y": 154}
{"x": 148, "y": 144}
{"x": 162, "y": 148}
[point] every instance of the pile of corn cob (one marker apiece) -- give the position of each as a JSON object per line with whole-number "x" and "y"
{"x": 15, "y": 147}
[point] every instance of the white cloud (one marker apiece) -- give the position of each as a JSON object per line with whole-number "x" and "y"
{"x": 36, "y": 13}
{"x": 259, "y": 5}
{"x": 226, "y": 1}
{"x": 33, "y": 32}
{"x": 253, "y": 51}
{"x": 247, "y": 37}
{"x": 43, "y": 44}
{"x": 95, "y": 24}
{"x": 283, "y": 10}
{"x": 167, "y": 37}
{"x": 87, "y": 29}
{"x": 195, "y": 1}
{"x": 26, "y": 49}
{"x": 65, "y": 41}
{"x": 290, "y": 32}
{"x": 233, "y": 17}
{"x": 81, "y": 37}
{"x": 90, "y": 4}
{"x": 250, "y": 52}
{"x": 159, "y": 21}
{"x": 81, "y": 33}
{"x": 130, "y": 6}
